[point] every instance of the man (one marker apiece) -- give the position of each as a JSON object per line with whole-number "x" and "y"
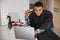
{"x": 42, "y": 21}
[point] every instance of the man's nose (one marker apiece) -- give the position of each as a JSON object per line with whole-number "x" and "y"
{"x": 38, "y": 11}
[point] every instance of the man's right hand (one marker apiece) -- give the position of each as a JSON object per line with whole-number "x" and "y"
{"x": 27, "y": 13}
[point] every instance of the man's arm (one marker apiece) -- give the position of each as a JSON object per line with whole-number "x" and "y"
{"x": 48, "y": 23}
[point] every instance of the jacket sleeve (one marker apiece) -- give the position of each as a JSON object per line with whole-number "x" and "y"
{"x": 48, "y": 22}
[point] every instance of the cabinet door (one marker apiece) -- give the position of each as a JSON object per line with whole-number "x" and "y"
{"x": 57, "y": 15}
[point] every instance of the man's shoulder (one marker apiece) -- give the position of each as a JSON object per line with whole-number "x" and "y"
{"x": 47, "y": 11}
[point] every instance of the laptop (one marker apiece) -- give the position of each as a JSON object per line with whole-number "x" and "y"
{"x": 24, "y": 32}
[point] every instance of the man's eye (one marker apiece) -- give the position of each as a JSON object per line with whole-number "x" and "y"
{"x": 39, "y": 10}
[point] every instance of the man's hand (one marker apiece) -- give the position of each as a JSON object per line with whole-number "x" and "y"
{"x": 36, "y": 32}
{"x": 27, "y": 13}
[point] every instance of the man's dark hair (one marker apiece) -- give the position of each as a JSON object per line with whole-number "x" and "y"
{"x": 38, "y": 4}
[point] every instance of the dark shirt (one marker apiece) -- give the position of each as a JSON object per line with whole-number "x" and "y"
{"x": 44, "y": 21}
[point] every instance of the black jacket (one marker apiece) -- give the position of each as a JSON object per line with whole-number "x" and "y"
{"x": 44, "y": 21}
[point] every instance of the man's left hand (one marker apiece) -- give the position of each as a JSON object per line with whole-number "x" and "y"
{"x": 36, "y": 32}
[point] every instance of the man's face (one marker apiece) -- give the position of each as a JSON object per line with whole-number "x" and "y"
{"x": 38, "y": 10}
